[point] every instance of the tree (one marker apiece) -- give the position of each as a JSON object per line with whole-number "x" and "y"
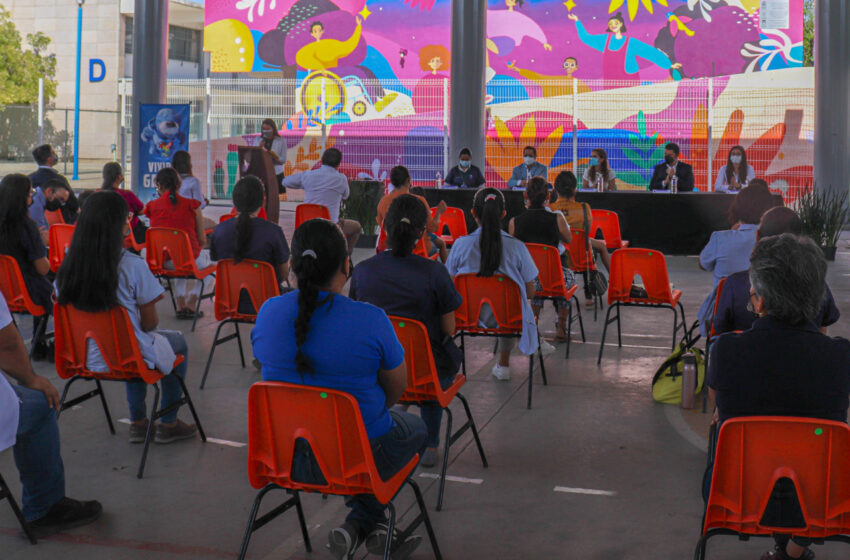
{"x": 808, "y": 32}
{"x": 20, "y": 69}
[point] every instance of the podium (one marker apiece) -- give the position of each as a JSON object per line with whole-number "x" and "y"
{"x": 256, "y": 161}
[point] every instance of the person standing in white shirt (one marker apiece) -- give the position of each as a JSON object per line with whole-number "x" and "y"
{"x": 328, "y": 187}
{"x": 271, "y": 141}
{"x": 28, "y": 421}
{"x": 736, "y": 174}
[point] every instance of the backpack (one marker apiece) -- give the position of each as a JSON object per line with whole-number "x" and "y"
{"x": 667, "y": 382}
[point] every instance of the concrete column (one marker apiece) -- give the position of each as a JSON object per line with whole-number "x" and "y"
{"x": 150, "y": 62}
{"x": 832, "y": 95}
{"x": 469, "y": 34}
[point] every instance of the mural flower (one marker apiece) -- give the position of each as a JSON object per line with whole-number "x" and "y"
{"x": 634, "y": 6}
{"x": 772, "y": 44}
{"x": 251, "y": 4}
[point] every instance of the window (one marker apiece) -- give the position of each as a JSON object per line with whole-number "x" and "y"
{"x": 128, "y": 35}
{"x": 183, "y": 43}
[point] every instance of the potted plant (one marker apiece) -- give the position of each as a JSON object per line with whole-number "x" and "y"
{"x": 362, "y": 205}
{"x": 824, "y": 215}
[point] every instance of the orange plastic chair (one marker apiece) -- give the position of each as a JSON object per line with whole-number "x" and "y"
{"x": 423, "y": 387}
{"x": 59, "y": 240}
{"x": 113, "y": 333}
{"x": 53, "y": 217}
{"x": 226, "y": 217}
{"x": 167, "y": 244}
{"x": 608, "y": 223}
{"x": 581, "y": 258}
{"x": 552, "y": 284}
{"x": 754, "y": 453}
{"x": 6, "y": 494}
{"x": 130, "y": 243}
{"x": 18, "y": 298}
{"x": 652, "y": 268}
{"x": 305, "y": 211}
{"x": 505, "y": 300}
{"x": 258, "y": 279}
{"x": 454, "y": 219}
{"x": 330, "y": 421}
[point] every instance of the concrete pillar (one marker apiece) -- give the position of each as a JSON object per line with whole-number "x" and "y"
{"x": 832, "y": 95}
{"x": 150, "y": 63}
{"x": 467, "y": 124}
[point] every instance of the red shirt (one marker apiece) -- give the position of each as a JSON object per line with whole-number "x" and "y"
{"x": 163, "y": 213}
{"x": 133, "y": 202}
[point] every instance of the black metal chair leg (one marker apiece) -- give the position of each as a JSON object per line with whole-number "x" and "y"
{"x": 39, "y": 324}
{"x": 619, "y": 333}
{"x": 474, "y": 429}
{"x": 390, "y": 526}
{"x": 198, "y": 305}
{"x": 463, "y": 352}
{"x": 249, "y": 530}
{"x": 149, "y": 435}
{"x": 239, "y": 341}
{"x": 605, "y": 330}
{"x": 302, "y": 521}
{"x": 5, "y": 492}
{"x": 65, "y": 396}
{"x": 191, "y": 407}
{"x": 542, "y": 365}
{"x": 445, "y": 464}
{"x": 105, "y": 406}
{"x": 569, "y": 328}
{"x": 212, "y": 351}
{"x": 425, "y": 518}
{"x": 530, "y": 378}
{"x": 699, "y": 553}
{"x": 675, "y": 328}
{"x": 580, "y": 320}
{"x": 171, "y": 293}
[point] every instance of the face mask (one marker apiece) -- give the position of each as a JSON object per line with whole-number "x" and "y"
{"x": 464, "y": 163}
{"x": 268, "y": 133}
{"x": 668, "y": 160}
{"x": 735, "y": 159}
{"x": 594, "y": 162}
{"x": 529, "y": 160}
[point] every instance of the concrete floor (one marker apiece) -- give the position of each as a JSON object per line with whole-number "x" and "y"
{"x": 593, "y": 428}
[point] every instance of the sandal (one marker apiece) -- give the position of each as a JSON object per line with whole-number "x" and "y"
{"x": 184, "y": 314}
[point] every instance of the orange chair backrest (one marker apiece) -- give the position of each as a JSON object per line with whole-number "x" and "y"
{"x": 257, "y": 277}
{"x": 608, "y": 223}
{"x": 168, "y": 244}
{"x": 423, "y": 382}
{"x": 717, "y": 293}
{"x": 15, "y": 290}
{"x": 549, "y": 270}
{"x": 305, "y": 211}
{"x": 580, "y": 256}
{"x": 652, "y": 268}
{"x": 330, "y": 421}
{"x": 420, "y": 249}
{"x": 130, "y": 243}
{"x": 754, "y": 452}
{"x": 115, "y": 338}
{"x": 53, "y": 217}
{"x": 226, "y": 217}
{"x": 500, "y": 292}
{"x": 454, "y": 219}
{"x": 60, "y": 236}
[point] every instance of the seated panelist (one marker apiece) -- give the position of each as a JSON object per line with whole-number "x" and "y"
{"x": 527, "y": 170}
{"x": 664, "y": 174}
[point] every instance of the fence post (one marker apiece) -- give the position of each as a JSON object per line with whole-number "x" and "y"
{"x": 122, "y": 92}
{"x": 710, "y": 108}
{"x": 575, "y": 129}
{"x": 208, "y": 112}
{"x": 324, "y": 106}
{"x": 65, "y": 150}
{"x": 446, "y": 128}
{"x": 40, "y": 111}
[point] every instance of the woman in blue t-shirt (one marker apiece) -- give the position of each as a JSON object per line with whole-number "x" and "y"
{"x": 407, "y": 285}
{"x": 316, "y": 336}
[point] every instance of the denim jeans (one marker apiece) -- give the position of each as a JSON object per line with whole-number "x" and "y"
{"x": 37, "y": 454}
{"x": 432, "y": 414}
{"x": 391, "y": 451}
{"x": 170, "y": 387}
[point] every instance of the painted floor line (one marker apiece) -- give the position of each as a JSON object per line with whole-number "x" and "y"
{"x": 674, "y": 416}
{"x": 209, "y": 439}
{"x": 451, "y": 478}
{"x": 588, "y": 491}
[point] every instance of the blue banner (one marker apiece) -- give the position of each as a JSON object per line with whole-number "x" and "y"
{"x": 165, "y": 131}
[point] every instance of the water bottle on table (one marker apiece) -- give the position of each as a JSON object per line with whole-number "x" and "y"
{"x": 674, "y": 185}
{"x": 600, "y": 187}
{"x": 438, "y": 182}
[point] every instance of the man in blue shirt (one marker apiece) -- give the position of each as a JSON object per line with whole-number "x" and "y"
{"x": 46, "y": 158}
{"x": 528, "y": 169}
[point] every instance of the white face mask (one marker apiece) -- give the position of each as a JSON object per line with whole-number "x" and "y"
{"x": 529, "y": 160}
{"x": 735, "y": 159}
{"x": 464, "y": 163}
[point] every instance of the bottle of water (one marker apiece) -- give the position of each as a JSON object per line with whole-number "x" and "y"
{"x": 438, "y": 182}
{"x": 689, "y": 380}
{"x": 674, "y": 185}
{"x": 599, "y": 184}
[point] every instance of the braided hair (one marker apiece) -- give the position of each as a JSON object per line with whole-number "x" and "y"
{"x": 488, "y": 206}
{"x": 168, "y": 179}
{"x": 318, "y": 253}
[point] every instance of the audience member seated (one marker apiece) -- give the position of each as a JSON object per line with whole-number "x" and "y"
{"x": 671, "y": 169}
{"x": 540, "y": 225}
{"x": 465, "y": 174}
{"x": 123, "y": 278}
{"x": 728, "y": 251}
{"x": 316, "y": 336}
{"x": 171, "y": 210}
{"x": 487, "y": 251}
{"x": 28, "y": 422}
{"x": 783, "y": 365}
{"x": 59, "y": 196}
{"x": 20, "y": 239}
{"x": 732, "y": 313}
{"x": 250, "y": 237}
{"x": 400, "y": 178}
{"x": 190, "y": 186}
{"x": 598, "y": 170}
{"x": 328, "y": 187}
{"x": 113, "y": 178}
{"x": 411, "y": 286}
{"x": 736, "y": 174}
{"x": 45, "y": 158}
{"x": 579, "y": 216}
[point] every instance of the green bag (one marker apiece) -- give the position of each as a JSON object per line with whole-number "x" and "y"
{"x": 667, "y": 382}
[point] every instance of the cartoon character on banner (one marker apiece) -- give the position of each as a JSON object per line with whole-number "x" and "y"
{"x": 163, "y": 134}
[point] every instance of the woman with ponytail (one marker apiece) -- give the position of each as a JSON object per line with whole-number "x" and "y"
{"x": 249, "y": 236}
{"x": 407, "y": 285}
{"x": 316, "y": 336}
{"x": 113, "y": 178}
{"x": 171, "y": 210}
{"x": 487, "y": 251}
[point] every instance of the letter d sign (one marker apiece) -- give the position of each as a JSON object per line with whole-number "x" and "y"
{"x": 93, "y": 64}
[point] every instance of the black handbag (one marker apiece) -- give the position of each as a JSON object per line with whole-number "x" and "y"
{"x": 596, "y": 281}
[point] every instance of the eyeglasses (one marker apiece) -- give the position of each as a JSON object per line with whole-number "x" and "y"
{"x": 750, "y": 306}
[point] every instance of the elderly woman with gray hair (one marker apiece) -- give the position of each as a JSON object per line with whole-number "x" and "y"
{"x": 783, "y": 365}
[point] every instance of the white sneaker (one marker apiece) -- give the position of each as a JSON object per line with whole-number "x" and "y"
{"x": 546, "y": 348}
{"x": 502, "y": 373}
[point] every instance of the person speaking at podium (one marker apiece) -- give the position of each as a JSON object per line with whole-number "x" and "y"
{"x": 271, "y": 141}
{"x": 672, "y": 175}
{"x": 528, "y": 169}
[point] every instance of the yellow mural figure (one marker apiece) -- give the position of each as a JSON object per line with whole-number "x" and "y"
{"x": 230, "y": 45}
{"x": 322, "y": 54}
{"x": 552, "y": 86}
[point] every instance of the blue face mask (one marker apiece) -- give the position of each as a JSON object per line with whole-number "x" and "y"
{"x": 464, "y": 163}
{"x": 594, "y": 162}
{"x": 529, "y": 160}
